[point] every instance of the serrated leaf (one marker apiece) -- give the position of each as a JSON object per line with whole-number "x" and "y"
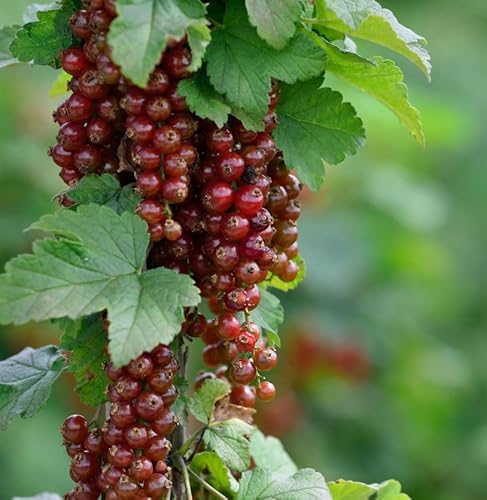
{"x": 87, "y": 359}
{"x": 275, "y": 282}
{"x": 381, "y": 79}
{"x": 203, "y": 99}
{"x": 269, "y": 453}
{"x": 275, "y": 20}
{"x": 42, "y": 496}
{"x": 104, "y": 190}
{"x": 31, "y": 11}
{"x": 96, "y": 264}
{"x": 41, "y": 41}
{"x": 26, "y": 380}
{"x": 229, "y": 440}
{"x": 60, "y": 85}
{"x": 140, "y": 33}
{"x": 7, "y": 34}
{"x": 369, "y": 21}
{"x": 202, "y": 405}
{"x": 316, "y": 126}
{"x": 199, "y": 37}
{"x": 241, "y": 65}
{"x": 217, "y": 473}
{"x": 263, "y": 484}
{"x": 269, "y": 315}
{"x": 355, "y": 490}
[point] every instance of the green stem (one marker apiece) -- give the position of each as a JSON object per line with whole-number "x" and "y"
{"x": 187, "y": 483}
{"x": 207, "y": 486}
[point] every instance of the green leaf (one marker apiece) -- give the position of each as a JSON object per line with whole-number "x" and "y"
{"x": 218, "y": 474}
{"x": 275, "y": 282}
{"x": 96, "y": 264}
{"x": 240, "y": 64}
{"x": 269, "y": 315}
{"x": 202, "y": 405}
{"x": 7, "y": 34}
{"x": 369, "y": 21}
{"x": 354, "y": 490}
{"x": 41, "y": 41}
{"x": 229, "y": 440}
{"x": 275, "y": 20}
{"x": 381, "y": 79}
{"x": 140, "y": 33}
{"x": 316, "y": 126}
{"x": 88, "y": 356}
{"x": 104, "y": 190}
{"x": 60, "y": 85}
{"x": 203, "y": 99}
{"x": 26, "y": 380}
{"x": 31, "y": 11}
{"x": 269, "y": 453}
{"x": 263, "y": 484}
{"x": 199, "y": 37}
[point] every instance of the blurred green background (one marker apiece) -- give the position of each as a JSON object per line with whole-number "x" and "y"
{"x": 383, "y": 372}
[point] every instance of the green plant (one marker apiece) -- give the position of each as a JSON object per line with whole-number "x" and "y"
{"x": 176, "y": 143}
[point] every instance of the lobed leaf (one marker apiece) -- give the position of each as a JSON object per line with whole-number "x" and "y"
{"x": 104, "y": 190}
{"x": 202, "y": 405}
{"x": 229, "y": 440}
{"x": 316, "y": 126}
{"x": 241, "y": 64}
{"x": 381, "y": 79}
{"x": 7, "y": 34}
{"x": 354, "y": 490}
{"x": 94, "y": 265}
{"x": 367, "y": 20}
{"x": 140, "y": 33}
{"x": 269, "y": 453}
{"x": 41, "y": 41}
{"x": 203, "y": 99}
{"x": 263, "y": 484}
{"x": 275, "y": 20}
{"x": 26, "y": 380}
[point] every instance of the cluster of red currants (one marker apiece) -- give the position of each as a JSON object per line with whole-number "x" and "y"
{"x": 220, "y": 203}
{"x": 126, "y": 457}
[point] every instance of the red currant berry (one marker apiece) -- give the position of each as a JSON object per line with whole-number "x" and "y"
{"x": 249, "y": 200}
{"x": 142, "y": 469}
{"x": 74, "y": 61}
{"x": 157, "y": 448}
{"x": 245, "y": 342}
{"x": 149, "y": 183}
{"x": 74, "y": 429}
{"x": 217, "y": 197}
{"x": 151, "y": 211}
{"x": 157, "y": 486}
{"x": 79, "y": 24}
{"x": 266, "y": 391}
{"x": 167, "y": 139}
{"x": 220, "y": 140}
{"x": 243, "y": 371}
{"x": 177, "y": 62}
{"x": 236, "y": 300}
{"x": 158, "y": 82}
{"x": 128, "y": 388}
{"x": 165, "y": 422}
{"x": 243, "y": 395}
{"x": 122, "y": 414}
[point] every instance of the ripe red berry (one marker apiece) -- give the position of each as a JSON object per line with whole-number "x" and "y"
{"x": 120, "y": 455}
{"x": 149, "y": 183}
{"x": 128, "y": 388}
{"x": 148, "y": 405}
{"x": 157, "y": 486}
{"x": 230, "y": 166}
{"x": 157, "y": 448}
{"x": 167, "y": 139}
{"x": 140, "y": 129}
{"x": 79, "y": 24}
{"x": 158, "y": 108}
{"x": 158, "y": 82}
{"x": 165, "y": 422}
{"x": 217, "y": 197}
{"x": 243, "y": 395}
{"x": 74, "y": 61}
{"x": 122, "y": 414}
{"x": 136, "y": 436}
{"x": 175, "y": 190}
{"x": 61, "y": 156}
{"x": 219, "y": 140}
{"x": 243, "y": 371}
{"x": 72, "y": 136}
{"x": 265, "y": 359}
{"x": 74, "y": 429}
{"x": 91, "y": 84}
{"x": 142, "y": 469}
{"x": 94, "y": 442}
{"x": 141, "y": 367}
{"x": 151, "y": 211}
{"x": 227, "y": 326}
{"x": 177, "y": 62}
{"x": 249, "y": 200}
{"x": 245, "y": 342}
{"x": 84, "y": 465}
{"x": 266, "y": 391}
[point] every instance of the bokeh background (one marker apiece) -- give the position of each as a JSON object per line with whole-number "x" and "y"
{"x": 383, "y": 372}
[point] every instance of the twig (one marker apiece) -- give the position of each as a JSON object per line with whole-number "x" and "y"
{"x": 206, "y": 485}
{"x": 187, "y": 483}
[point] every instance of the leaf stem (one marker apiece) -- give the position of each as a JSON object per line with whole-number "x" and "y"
{"x": 207, "y": 486}
{"x": 187, "y": 483}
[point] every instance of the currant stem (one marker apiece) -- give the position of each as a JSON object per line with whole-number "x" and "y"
{"x": 207, "y": 486}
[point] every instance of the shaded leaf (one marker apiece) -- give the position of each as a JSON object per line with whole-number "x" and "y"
{"x": 217, "y": 473}
{"x": 26, "y": 380}
{"x": 140, "y": 33}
